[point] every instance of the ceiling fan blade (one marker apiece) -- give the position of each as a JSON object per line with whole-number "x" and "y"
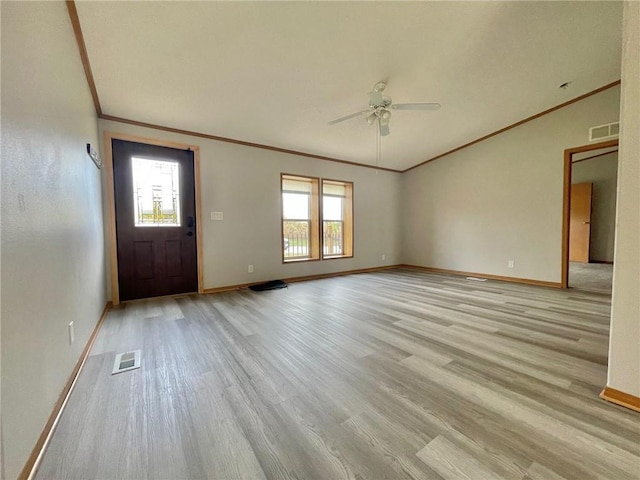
{"x": 416, "y": 106}
{"x": 384, "y": 130}
{"x": 348, "y": 117}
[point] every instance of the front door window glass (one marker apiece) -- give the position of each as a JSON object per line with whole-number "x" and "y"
{"x": 156, "y": 193}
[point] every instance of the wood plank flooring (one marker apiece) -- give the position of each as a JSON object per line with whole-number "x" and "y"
{"x": 391, "y": 375}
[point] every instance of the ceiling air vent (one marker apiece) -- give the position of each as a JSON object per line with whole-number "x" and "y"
{"x": 601, "y": 132}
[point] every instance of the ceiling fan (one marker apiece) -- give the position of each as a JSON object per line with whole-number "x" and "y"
{"x": 379, "y": 106}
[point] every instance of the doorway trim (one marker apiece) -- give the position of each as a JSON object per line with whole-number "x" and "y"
{"x": 113, "y": 250}
{"x": 566, "y": 201}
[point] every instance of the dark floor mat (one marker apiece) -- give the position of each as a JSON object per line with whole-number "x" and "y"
{"x": 271, "y": 285}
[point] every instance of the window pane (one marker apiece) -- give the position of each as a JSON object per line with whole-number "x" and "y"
{"x": 295, "y": 206}
{"x": 332, "y": 208}
{"x": 332, "y": 238}
{"x": 296, "y": 239}
{"x": 337, "y": 219}
{"x": 156, "y": 193}
{"x": 301, "y": 227}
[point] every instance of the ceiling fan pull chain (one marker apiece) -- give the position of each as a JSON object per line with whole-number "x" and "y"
{"x": 378, "y": 147}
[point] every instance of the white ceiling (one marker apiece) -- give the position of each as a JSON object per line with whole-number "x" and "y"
{"x": 276, "y": 73}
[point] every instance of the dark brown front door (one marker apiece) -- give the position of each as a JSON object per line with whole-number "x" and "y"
{"x": 155, "y": 220}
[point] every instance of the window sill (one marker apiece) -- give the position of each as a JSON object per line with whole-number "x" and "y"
{"x": 299, "y": 260}
{"x": 335, "y": 257}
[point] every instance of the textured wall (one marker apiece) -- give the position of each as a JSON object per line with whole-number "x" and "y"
{"x": 52, "y": 240}
{"x": 244, "y": 184}
{"x": 501, "y": 199}
{"x": 624, "y": 342}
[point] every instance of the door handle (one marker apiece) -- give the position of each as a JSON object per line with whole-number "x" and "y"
{"x": 586, "y": 223}
{"x": 189, "y": 234}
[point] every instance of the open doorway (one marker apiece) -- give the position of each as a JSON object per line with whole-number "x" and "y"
{"x": 589, "y": 216}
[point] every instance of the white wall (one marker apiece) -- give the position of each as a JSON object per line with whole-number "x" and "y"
{"x": 603, "y": 173}
{"x": 624, "y": 341}
{"x": 52, "y": 233}
{"x": 501, "y": 199}
{"x": 244, "y": 184}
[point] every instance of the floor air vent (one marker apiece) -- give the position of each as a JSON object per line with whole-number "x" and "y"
{"x": 127, "y": 361}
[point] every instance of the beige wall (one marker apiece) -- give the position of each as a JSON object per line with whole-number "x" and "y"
{"x": 244, "y": 184}
{"x": 52, "y": 247}
{"x": 624, "y": 341}
{"x": 602, "y": 172}
{"x": 501, "y": 199}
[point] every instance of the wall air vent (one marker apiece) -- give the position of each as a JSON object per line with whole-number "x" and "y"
{"x": 602, "y": 132}
{"x": 126, "y": 361}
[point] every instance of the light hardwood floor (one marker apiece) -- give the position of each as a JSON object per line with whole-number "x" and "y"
{"x": 391, "y": 375}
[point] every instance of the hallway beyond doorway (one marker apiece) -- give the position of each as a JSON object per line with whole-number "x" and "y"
{"x": 596, "y": 277}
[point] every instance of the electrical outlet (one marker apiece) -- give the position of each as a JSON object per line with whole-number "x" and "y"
{"x": 250, "y": 268}
{"x": 511, "y": 264}
{"x": 383, "y": 256}
{"x": 72, "y": 333}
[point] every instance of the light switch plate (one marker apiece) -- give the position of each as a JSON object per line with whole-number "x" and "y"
{"x": 217, "y": 216}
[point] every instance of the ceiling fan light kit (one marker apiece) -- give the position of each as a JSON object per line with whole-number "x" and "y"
{"x": 379, "y": 106}
{"x": 379, "y": 87}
